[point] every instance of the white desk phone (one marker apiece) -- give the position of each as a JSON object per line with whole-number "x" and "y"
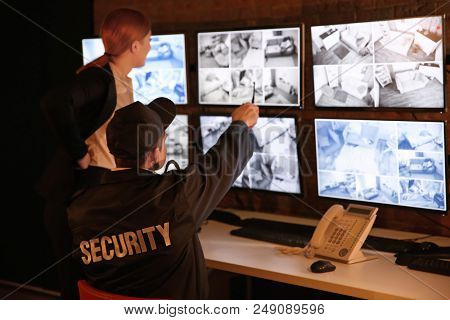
{"x": 340, "y": 234}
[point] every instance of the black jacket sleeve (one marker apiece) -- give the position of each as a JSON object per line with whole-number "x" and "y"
{"x": 209, "y": 179}
{"x": 63, "y": 105}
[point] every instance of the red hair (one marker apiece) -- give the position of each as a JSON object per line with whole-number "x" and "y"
{"x": 119, "y": 30}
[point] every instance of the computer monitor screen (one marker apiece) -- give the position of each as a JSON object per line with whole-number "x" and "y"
{"x": 393, "y": 162}
{"x": 274, "y": 165}
{"x": 177, "y": 142}
{"x": 92, "y": 49}
{"x": 250, "y": 65}
{"x": 164, "y": 72}
{"x": 392, "y": 64}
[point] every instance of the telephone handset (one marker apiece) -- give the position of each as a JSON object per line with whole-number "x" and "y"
{"x": 341, "y": 233}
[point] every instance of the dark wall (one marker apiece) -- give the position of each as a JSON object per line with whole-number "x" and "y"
{"x": 192, "y": 16}
{"x": 41, "y": 41}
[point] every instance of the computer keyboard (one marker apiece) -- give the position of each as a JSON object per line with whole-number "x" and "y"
{"x": 430, "y": 265}
{"x": 388, "y": 245}
{"x": 276, "y": 232}
{"x": 290, "y": 234}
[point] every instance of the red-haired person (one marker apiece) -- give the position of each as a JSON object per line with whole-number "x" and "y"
{"x": 79, "y": 113}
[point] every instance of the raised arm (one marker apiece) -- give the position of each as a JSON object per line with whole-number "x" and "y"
{"x": 209, "y": 179}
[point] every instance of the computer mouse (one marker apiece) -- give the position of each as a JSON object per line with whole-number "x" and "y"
{"x": 321, "y": 266}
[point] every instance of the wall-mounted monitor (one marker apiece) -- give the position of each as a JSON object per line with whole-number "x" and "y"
{"x": 234, "y": 66}
{"x": 391, "y": 64}
{"x": 177, "y": 142}
{"x": 393, "y": 162}
{"x": 164, "y": 72}
{"x": 274, "y": 165}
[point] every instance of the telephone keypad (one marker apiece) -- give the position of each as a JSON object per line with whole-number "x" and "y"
{"x": 339, "y": 235}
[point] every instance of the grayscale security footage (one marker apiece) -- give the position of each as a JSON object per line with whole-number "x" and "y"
{"x": 395, "y": 63}
{"x": 234, "y": 64}
{"x": 274, "y": 165}
{"x": 177, "y": 142}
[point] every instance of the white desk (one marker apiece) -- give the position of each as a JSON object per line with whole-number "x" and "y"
{"x": 377, "y": 279}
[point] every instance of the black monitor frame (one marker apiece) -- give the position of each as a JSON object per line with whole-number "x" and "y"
{"x": 393, "y": 109}
{"x": 245, "y": 28}
{"x": 186, "y": 60}
{"x": 427, "y": 210}
{"x": 271, "y": 192}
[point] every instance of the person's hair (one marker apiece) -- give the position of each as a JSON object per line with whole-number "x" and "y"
{"x": 119, "y": 30}
{"x": 139, "y": 162}
{"x": 130, "y": 163}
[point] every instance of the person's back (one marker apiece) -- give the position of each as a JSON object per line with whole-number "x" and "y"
{"x": 77, "y": 114}
{"x": 136, "y": 237}
{"x": 137, "y": 230}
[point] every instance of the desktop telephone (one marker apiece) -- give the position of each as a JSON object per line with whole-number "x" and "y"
{"x": 340, "y": 234}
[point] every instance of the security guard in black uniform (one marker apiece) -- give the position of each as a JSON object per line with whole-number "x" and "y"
{"x": 136, "y": 230}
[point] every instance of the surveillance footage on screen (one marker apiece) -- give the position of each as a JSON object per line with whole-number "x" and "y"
{"x": 274, "y": 165}
{"x": 393, "y": 162}
{"x": 233, "y": 65}
{"x": 92, "y": 49}
{"x": 177, "y": 142}
{"x": 395, "y": 63}
{"x": 164, "y": 72}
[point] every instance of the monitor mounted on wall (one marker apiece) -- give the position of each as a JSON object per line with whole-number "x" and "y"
{"x": 262, "y": 65}
{"x": 390, "y": 64}
{"x": 393, "y": 162}
{"x": 274, "y": 165}
{"x": 164, "y": 72}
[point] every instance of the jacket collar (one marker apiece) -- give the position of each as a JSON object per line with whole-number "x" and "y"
{"x": 110, "y": 100}
{"x": 97, "y": 176}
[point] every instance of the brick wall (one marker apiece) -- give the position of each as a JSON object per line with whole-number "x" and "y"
{"x": 192, "y": 16}
{"x": 169, "y": 14}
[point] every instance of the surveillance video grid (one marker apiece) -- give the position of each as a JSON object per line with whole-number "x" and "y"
{"x": 274, "y": 165}
{"x": 394, "y": 63}
{"x": 231, "y": 64}
{"x": 393, "y": 162}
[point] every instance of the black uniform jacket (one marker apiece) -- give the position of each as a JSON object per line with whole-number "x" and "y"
{"x": 136, "y": 231}
{"x": 75, "y": 111}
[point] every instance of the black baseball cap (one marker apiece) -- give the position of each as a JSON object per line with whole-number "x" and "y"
{"x": 137, "y": 128}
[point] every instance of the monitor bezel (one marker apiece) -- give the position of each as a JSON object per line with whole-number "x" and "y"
{"x": 186, "y": 61}
{"x": 300, "y": 26}
{"x": 435, "y": 212}
{"x": 393, "y": 109}
{"x": 271, "y": 192}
